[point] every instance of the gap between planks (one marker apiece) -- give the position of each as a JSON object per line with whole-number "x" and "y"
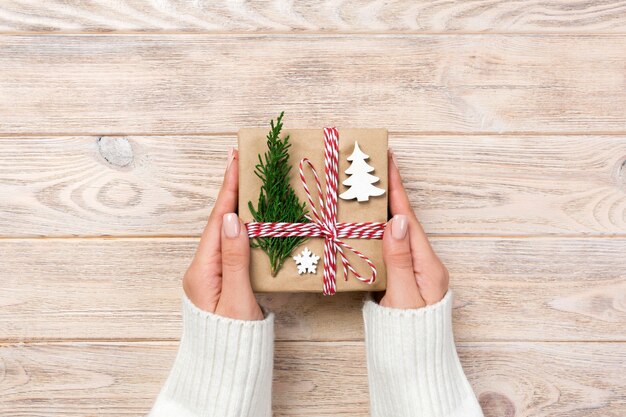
{"x": 304, "y": 33}
{"x": 39, "y": 135}
{"x": 169, "y": 342}
{"x": 430, "y": 236}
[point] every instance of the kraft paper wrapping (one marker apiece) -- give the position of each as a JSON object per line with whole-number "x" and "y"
{"x": 310, "y": 143}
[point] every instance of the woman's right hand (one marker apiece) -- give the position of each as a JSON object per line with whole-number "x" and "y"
{"x": 415, "y": 275}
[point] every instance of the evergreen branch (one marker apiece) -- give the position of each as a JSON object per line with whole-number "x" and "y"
{"x": 278, "y": 201}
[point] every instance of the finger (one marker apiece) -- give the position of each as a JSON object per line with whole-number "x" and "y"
{"x": 226, "y": 202}
{"x": 237, "y": 297}
{"x": 399, "y": 204}
{"x": 402, "y": 290}
{"x": 433, "y": 282}
{"x": 398, "y": 199}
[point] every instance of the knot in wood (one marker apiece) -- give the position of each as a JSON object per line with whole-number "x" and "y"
{"x": 495, "y": 404}
{"x": 117, "y": 151}
{"x": 621, "y": 173}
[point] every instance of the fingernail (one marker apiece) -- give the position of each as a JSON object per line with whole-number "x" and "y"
{"x": 393, "y": 157}
{"x": 399, "y": 226}
{"x": 231, "y": 226}
{"x": 231, "y": 157}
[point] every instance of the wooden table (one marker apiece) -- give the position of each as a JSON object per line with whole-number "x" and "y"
{"x": 509, "y": 123}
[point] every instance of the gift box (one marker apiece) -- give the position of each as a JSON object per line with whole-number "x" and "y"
{"x": 362, "y": 199}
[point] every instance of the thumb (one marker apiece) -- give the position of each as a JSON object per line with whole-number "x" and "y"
{"x": 236, "y": 299}
{"x": 402, "y": 291}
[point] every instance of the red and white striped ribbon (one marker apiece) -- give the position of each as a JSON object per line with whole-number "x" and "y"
{"x": 324, "y": 222}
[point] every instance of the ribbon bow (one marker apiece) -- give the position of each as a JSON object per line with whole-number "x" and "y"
{"x": 324, "y": 222}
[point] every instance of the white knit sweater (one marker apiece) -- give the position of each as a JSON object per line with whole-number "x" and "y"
{"x": 224, "y": 366}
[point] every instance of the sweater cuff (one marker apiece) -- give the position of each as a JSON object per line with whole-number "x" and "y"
{"x": 413, "y": 364}
{"x": 223, "y": 367}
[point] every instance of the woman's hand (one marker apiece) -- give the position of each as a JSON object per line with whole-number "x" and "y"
{"x": 415, "y": 275}
{"x": 218, "y": 279}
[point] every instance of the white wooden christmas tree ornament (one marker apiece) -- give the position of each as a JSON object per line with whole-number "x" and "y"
{"x": 306, "y": 262}
{"x": 360, "y": 180}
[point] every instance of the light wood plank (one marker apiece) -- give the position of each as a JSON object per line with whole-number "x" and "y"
{"x": 321, "y": 379}
{"x": 165, "y": 186}
{"x": 109, "y": 185}
{"x": 147, "y": 84}
{"x": 506, "y": 289}
{"x": 311, "y": 16}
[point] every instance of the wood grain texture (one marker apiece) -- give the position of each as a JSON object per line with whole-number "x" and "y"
{"x": 321, "y": 379}
{"x": 506, "y": 289}
{"x": 459, "y": 185}
{"x": 151, "y": 84}
{"x": 508, "y": 122}
{"x": 312, "y": 16}
{"x": 109, "y": 185}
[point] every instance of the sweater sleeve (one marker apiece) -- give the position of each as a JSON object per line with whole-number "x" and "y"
{"x": 223, "y": 368}
{"x": 412, "y": 363}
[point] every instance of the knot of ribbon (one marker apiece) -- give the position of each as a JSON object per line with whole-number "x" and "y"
{"x": 324, "y": 220}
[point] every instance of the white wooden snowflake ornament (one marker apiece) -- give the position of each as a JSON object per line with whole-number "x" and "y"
{"x": 306, "y": 262}
{"x": 360, "y": 180}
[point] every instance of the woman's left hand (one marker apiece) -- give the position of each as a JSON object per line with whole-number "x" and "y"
{"x": 218, "y": 279}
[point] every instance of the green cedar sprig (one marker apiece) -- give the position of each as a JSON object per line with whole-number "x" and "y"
{"x": 278, "y": 201}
